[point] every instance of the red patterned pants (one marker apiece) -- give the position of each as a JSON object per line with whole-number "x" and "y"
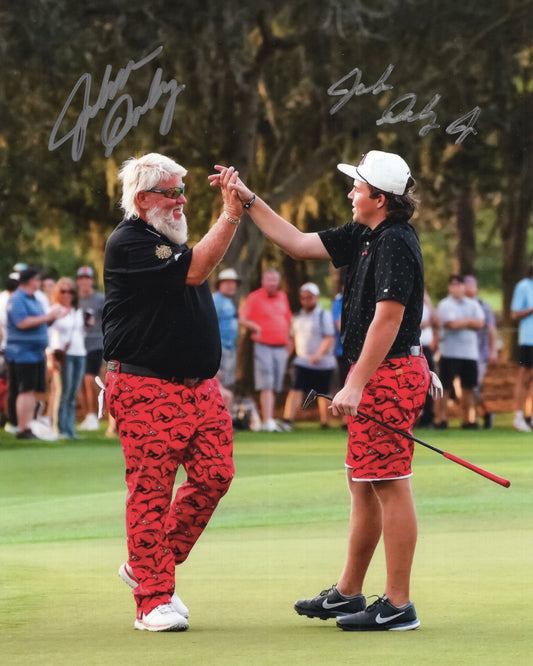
{"x": 395, "y": 395}
{"x": 163, "y": 425}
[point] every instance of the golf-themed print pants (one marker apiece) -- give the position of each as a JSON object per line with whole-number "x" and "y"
{"x": 163, "y": 425}
{"x": 395, "y": 395}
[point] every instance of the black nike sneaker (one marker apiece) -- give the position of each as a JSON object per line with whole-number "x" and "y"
{"x": 330, "y": 603}
{"x": 381, "y": 616}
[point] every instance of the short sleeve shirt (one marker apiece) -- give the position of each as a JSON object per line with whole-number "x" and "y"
{"x": 25, "y": 345}
{"x": 336, "y": 311}
{"x": 272, "y": 313}
{"x": 228, "y": 321}
{"x": 384, "y": 263}
{"x": 523, "y": 300}
{"x": 483, "y": 334}
{"x": 461, "y": 342}
{"x": 93, "y": 334}
{"x": 152, "y": 318}
{"x": 308, "y": 330}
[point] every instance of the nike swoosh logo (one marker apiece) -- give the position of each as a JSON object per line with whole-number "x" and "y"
{"x": 383, "y": 620}
{"x": 328, "y": 606}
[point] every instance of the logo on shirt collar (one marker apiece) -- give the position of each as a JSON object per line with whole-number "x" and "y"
{"x": 163, "y": 251}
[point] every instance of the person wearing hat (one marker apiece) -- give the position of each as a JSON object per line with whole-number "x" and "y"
{"x": 91, "y": 303}
{"x": 312, "y": 336}
{"x": 228, "y": 323}
{"x": 388, "y": 379}
{"x": 27, "y": 339}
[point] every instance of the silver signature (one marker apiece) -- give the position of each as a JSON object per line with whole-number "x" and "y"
{"x": 122, "y": 115}
{"x": 402, "y": 108}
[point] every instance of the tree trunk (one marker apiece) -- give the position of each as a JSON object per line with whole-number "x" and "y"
{"x": 465, "y": 219}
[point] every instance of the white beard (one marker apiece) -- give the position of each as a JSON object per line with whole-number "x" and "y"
{"x": 174, "y": 230}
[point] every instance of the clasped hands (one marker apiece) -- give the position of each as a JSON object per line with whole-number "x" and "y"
{"x": 234, "y": 191}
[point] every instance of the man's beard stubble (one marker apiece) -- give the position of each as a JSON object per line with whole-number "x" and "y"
{"x": 174, "y": 230}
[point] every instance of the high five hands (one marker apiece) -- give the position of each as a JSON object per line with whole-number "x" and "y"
{"x": 226, "y": 179}
{"x": 230, "y": 184}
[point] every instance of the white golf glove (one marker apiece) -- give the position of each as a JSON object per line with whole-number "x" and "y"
{"x": 435, "y": 390}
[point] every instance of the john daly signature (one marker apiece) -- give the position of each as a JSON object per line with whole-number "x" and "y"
{"x": 121, "y": 116}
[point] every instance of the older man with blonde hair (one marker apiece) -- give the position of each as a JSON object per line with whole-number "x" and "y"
{"x": 162, "y": 347}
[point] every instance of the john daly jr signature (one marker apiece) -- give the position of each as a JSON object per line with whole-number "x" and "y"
{"x": 401, "y": 109}
{"x": 122, "y": 115}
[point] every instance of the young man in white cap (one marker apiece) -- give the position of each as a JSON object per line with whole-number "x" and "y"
{"x": 388, "y": 379}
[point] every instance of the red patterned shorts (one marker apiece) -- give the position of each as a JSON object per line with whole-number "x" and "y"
{"x": 395, "y": 395}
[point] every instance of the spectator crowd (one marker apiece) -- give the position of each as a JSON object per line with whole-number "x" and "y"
{"x": 51, "y": 351}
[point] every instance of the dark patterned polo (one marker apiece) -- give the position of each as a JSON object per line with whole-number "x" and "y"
{"x": 382, "y": 264}
{"x": 152, "y": 317}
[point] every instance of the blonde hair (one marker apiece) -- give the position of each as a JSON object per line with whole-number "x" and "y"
{"x": 65, "y": 283}
{"x": 145, "y": 173}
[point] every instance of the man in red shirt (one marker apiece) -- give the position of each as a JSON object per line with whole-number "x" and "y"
{"x": 267, "y": 314}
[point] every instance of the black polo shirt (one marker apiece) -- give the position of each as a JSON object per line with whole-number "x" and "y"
{"x": 382, "y": 264}
{"x": 151, "y": 317}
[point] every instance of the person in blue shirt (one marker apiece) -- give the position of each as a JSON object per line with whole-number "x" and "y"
{"x": 228, "y": 322}
{"x": 27, "y": 339}
{"x": 522, "y": 312}
{"x": 343, "y": 365}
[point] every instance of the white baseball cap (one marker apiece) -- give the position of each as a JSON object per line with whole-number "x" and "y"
{"x": 228, "y": 274}
{"x": 85, "y": 271}
{"x": 311, "y": 287}
{"x": 386, "y": 171}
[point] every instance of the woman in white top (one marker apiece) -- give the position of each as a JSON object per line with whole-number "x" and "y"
{"x": 68, "y": 348}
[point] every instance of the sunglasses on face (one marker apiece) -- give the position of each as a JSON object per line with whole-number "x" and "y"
{"x": 67, "y": 291}
{"x": 170, "y": 192}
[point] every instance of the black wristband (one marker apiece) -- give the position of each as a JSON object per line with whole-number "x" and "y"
{"x": 250, "y": 203}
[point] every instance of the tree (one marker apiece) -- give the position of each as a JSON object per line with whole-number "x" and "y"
{"x": 263, "y": 81}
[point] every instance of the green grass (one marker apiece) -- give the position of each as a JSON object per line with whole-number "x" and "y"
{"x": 278, "y": 535}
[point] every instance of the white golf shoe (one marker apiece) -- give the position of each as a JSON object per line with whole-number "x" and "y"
{"x": 127, "y": 575}
{"x": 89, "y": 423}
{"x": 271, "y": 426}
{"x": 521, "y": 424}
{"x": 162, "y": 618}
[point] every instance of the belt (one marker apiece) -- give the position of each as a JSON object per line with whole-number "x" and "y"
{"x": 412, "y": 351}
{"x": 416, "y": 350}
{"x": 128, "y": 368}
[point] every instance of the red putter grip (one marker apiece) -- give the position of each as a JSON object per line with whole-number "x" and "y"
{"x": 488, "y": 475}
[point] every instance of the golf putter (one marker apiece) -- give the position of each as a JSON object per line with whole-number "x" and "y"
{"x": 312, "y": 395}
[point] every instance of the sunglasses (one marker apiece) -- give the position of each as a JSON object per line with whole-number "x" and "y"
{"x": 67, "y": 291}
{"x": 170, "y": 192}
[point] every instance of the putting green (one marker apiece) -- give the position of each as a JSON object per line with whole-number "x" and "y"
{"x": 278, "y": 535}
